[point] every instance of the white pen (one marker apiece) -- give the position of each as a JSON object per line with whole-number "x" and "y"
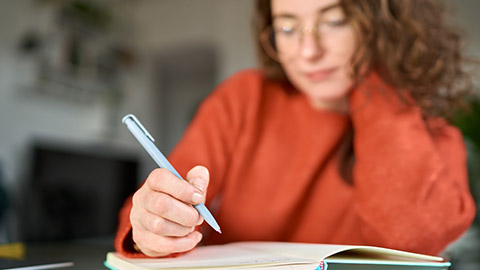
{"x": 146, "y": 140}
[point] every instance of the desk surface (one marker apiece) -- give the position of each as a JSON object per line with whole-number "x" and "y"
{"x": 86, "y": 254}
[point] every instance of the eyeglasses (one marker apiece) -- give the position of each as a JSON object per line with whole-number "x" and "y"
{"x": 284, "y": 37}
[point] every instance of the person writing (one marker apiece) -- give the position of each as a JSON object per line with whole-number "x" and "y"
{"x": 337, "y": 139}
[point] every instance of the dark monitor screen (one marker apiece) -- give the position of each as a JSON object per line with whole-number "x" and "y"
{"x": 77, "y": 192}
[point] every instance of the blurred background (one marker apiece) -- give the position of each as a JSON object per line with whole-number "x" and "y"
{"x": 69, "y": 71}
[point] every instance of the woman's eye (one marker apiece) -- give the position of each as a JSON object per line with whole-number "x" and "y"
{"x": 336, "y": 22}
{"x": 287, "y": 29}
{"x": 334, "y": 18}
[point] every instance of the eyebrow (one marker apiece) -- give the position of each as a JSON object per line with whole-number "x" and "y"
{"x": 320, "y": 11}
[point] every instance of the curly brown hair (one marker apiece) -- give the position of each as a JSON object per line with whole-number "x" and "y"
{"x": 407, "y": 42}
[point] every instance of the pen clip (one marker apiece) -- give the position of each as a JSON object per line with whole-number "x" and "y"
{"x": 137, "y": 122}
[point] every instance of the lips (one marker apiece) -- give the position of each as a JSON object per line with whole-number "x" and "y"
{"x": 319, "y": 75}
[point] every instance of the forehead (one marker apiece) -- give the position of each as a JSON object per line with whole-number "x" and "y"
{"x": 300, "y": 7}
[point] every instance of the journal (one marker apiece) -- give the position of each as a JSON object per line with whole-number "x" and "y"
{"x": 282, "y": 255}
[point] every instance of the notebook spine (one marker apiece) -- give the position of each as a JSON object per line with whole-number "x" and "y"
{"x": 322, "y": 266}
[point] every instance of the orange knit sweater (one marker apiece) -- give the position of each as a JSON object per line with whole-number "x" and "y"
{"x": 273, "y": 162}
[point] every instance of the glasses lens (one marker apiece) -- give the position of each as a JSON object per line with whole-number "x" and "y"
{"x": 286, "y": 38}
{"x": 281, "y": 42}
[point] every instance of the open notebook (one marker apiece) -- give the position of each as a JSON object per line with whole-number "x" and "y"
{"x": 281, "y": 255}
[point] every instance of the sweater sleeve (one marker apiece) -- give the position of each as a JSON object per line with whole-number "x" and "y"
{"x": 208, "y": 141}
{"x": 410, "y": 176}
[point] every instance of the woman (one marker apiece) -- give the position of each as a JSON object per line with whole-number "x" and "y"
{"x": 336, "y": 140}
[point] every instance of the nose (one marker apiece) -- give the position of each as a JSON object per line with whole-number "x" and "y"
{"x": 310, "y": 45}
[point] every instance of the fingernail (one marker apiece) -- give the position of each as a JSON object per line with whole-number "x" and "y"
{"x": 206, "y": 172}
{"x": 199, "y": 184}
{"x": 197, "y": 198}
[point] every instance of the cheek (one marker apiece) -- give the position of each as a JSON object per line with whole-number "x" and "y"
{"x": 344, "y": 47}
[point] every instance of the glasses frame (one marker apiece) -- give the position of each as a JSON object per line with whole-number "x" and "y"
{"x": 267, "y": 36}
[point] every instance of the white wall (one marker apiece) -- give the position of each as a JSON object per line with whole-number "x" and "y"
{"x": 23, "y": 116}
{"x": 157, "y": 25}
{"x": 465, "y": 14}
{"x": 161, "y": 26}
{"x": 167, "y": 23}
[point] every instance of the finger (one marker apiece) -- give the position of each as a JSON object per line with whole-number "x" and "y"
{"x": 163, "y": 205}
{"x": 162, "y": 180}
{"x": 199, "y": 177}
{"x": 158, "y": 225}
{"x": 155, "y": 245}
{"x": 200, "y": 220}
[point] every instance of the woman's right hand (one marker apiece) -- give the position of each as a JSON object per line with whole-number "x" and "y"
{"x": 163, "y": 217}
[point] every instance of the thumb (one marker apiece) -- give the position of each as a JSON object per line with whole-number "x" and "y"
{"x": 199, "y": 177}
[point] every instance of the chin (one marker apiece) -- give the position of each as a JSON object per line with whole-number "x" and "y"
{"x": 327, "y": 92}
